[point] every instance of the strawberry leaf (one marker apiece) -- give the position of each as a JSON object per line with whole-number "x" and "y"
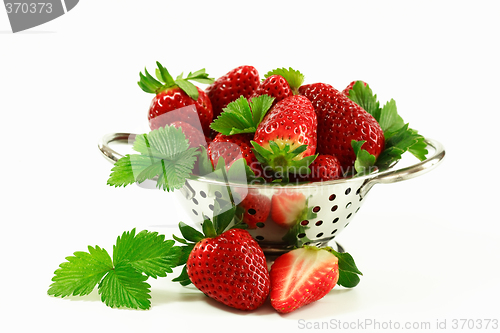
{"x": 190, "y": 233}
{"x": 183, "y": 278}
{"x": 189, "y": 88}
{"x": 364, "y": 160}
{"x": 348, "y": 272}
{"x": 242, "y": 117}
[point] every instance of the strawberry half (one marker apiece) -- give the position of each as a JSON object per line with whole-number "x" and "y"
{"x": 177, "y": 95}
{"x": 341, "y": 121}
{"x": 285, "y": 140}
{"x": 241, "y": 81}
{"x": 302, "y": 276}
{"x": 288, "y": 207}
{"x": 226, "y": 265}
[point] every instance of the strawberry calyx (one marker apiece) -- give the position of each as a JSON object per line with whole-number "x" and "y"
{"x": 294, "y": 78}
{"x": 281, "y": 161}
{"x": 165, "y": 81}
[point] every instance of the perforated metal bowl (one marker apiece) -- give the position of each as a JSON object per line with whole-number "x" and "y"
{"x": 334, "y": 204}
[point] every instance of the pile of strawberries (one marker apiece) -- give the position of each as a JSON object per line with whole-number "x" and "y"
{"x": 305, "y": 134}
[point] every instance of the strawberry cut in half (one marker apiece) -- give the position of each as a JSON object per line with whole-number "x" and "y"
{"x": 302, "y": 276}
{"x": 172, "y": 95}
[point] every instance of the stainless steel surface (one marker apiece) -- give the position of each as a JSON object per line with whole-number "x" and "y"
{"x": 335, "y": 203}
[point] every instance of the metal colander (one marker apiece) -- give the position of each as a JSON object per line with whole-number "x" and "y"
{"x": 332, "y": 204}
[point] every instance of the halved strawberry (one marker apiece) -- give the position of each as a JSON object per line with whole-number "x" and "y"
{"x": 288, "y": 207}
{"x": 302, "y": 276}
{"x": 177, "y": 95}
{"x": 241, "y": 81}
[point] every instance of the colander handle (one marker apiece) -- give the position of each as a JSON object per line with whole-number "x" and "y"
{"x": 108, "y": 153}
{"x": 412, "y": 171}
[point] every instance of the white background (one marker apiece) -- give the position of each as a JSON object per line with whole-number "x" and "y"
{"x": 428, "y": 247}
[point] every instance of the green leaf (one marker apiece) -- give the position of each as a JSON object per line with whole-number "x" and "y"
{"x": 81, "y": 273}
{"x": 389, "y": 119}
{"x": 190, "y": 233}
{"x": 223, "y": 216}
{"x": 364, "y": 97}
{"x": 208, "y": 228}
{"x": 189, "y": 88}
{"x": 124, "y": 286}
{"x": 164, "y": 153}
{"x": 348, "y": 271}
{"x": 165, "y": 75}
{"x": 364, "y": 160}
{"x": 294, "y": 78}
{"x": 241, "y": 117}
{"x": 148, "y": 252}
{"x": 200, "y": 76}
{"x": 183, "y": 278}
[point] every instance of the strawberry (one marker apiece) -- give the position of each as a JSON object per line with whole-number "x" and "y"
{"x": 349, "y": 87}
{"x": 256, "y": 208}
{"x": 288, "y": 207}
{"x": 193, "y": 135}
{"x": 280, "y": 83}
{"x": 177, "y": 100}
{"x": 323, "y": 168}
{"x": 302, "y": 276}
{"x": 285, "y": 140}
{"x": 341, "y": 121}
{"x": 228, "y": 266}
{"x": 241, "y": 81}
{"x": 232, "y": 148}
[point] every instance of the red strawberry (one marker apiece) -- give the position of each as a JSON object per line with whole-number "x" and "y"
{"x": 349, "y": 87}
{"x": 341, "y": 121}
{"x": 302, "y": 276}
{"x": 232, "y": 148}
{"x": 323, "y": 168}
{"x": 173, "y": 99}
{"x": 288, "y": 207}
{"x": 285, "y": 140}
{"x": 193, "y": 135}
{"x": 240, "y": 81}
{"x": 275, "y": 86}
{"x": 230, "y": 268}
{"x": 257, "y": 207}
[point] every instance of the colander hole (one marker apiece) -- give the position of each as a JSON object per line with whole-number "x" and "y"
{"x": 259, "y": 238}
{"x": 335, "y": 220}
{"x": 211, "y": 207}
{"x": 319, "y": 235}
{"x": 260, "y": 225}
{"x": 252, "y": 211}
{"x": 218, "y": 194}
{"x": 195, "y": 212}
{"x": 348, "y": 205}
{"x": 348, "y": 191}
{"x": 348, "y": 216}
{"x": 195, "y": 201}
{"x": 305, "y": 222}
{"x": 319, "y": 223}
{"x": 357, "y": 209}
{"x": 302, "y": 235}
{"x": 334, "y": 231}
{"x": 203, "y": 194}
{"x": 334, "y": 208}
{"x": 358, "y": 191}
{"x": 332, "y": 197}
{"x": 316, "y": 209}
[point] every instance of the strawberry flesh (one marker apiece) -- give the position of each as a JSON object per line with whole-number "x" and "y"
{"x": 287, "y": 207}
{"x": 302, "y": 276}
{"x": 230, "y": 268}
